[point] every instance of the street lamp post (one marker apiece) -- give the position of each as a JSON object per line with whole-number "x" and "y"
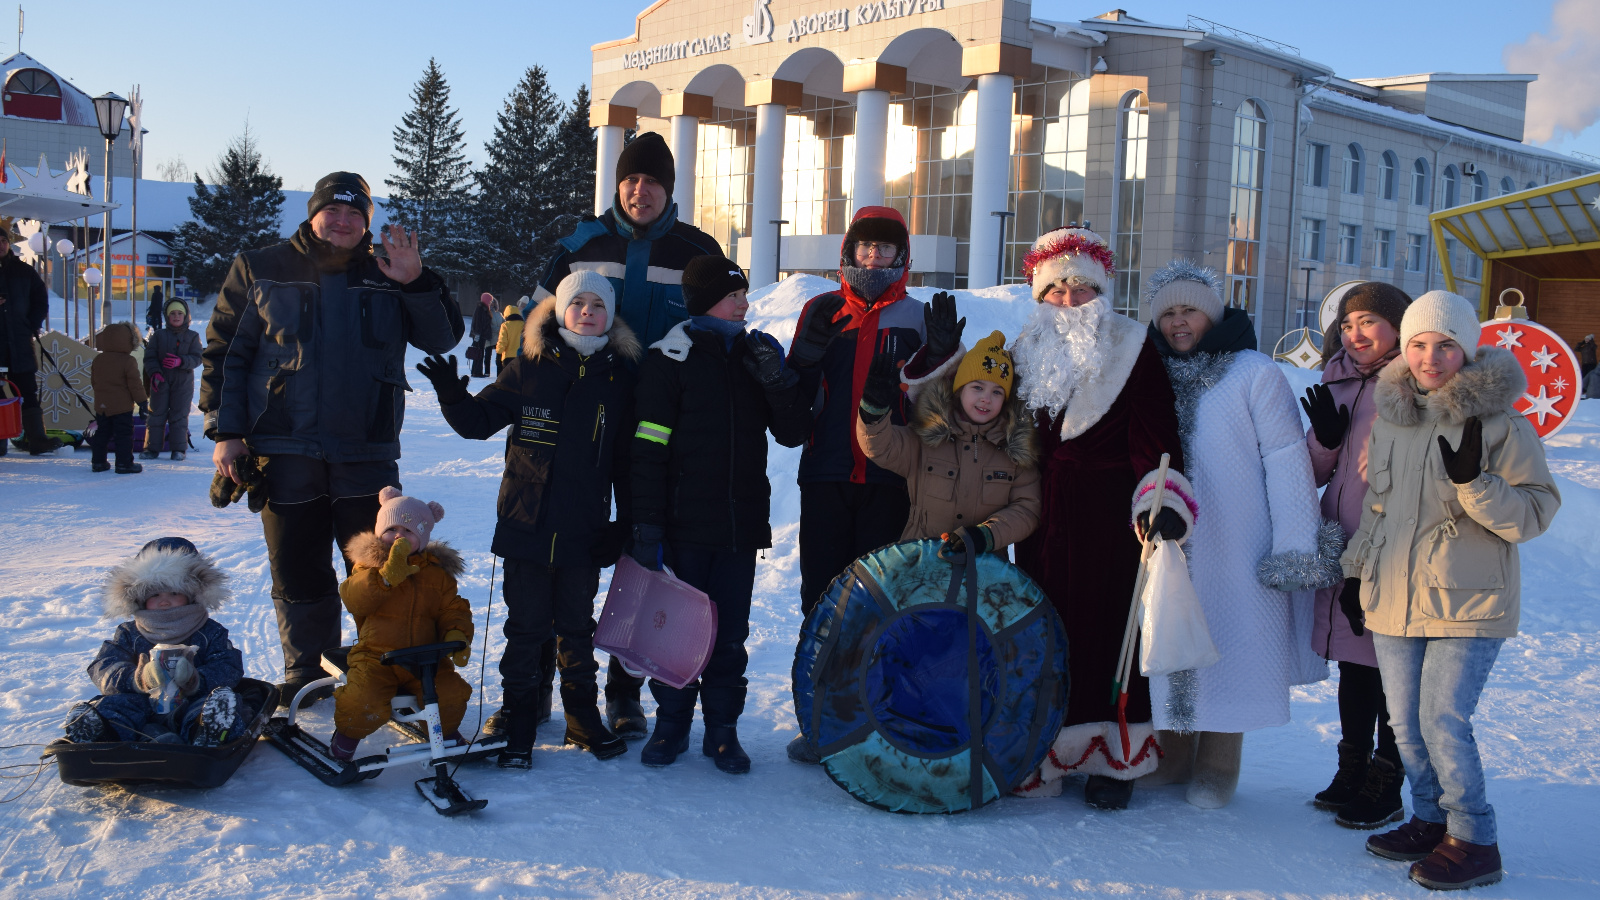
{"x": 108, "y": 109}
{"x": 91, "y": 277}
{"x": 1000, "y": 259}
{"x": 777, "y": 253}
{"x": 1305, "y": 302}
{"x": 69, "y": 280}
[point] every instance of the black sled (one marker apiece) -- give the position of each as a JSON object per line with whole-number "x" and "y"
{"x": 439, "y": 789}
{"x": 179, "y": 765}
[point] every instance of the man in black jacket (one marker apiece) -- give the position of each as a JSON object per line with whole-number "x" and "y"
{"x": 305, "y": 366}
{"x": 24, "y": 306}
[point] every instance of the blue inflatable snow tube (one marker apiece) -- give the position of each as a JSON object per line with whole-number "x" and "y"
{"x": 916, "y": 706}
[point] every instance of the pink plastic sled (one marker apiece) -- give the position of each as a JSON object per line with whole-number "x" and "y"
{"x": 657, "y": 624}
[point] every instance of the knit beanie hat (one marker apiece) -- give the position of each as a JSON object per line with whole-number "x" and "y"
{"x": 341, "y": 187}
{"x": 648, "y": 154}
{"x": 174, "y": 306}
{"x": 1377, "y": 297}
{"x": 1449, "y": 314}
{"x": 707, "y": 279}
{"x": 1184, "y": 282}
{"x": 1066, "y": 252}
{"x": 585, "y": 281}
{"x": 414, "y": 517}
{"x": 988, "y": 361}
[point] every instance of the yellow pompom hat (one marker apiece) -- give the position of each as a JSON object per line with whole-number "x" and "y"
{"x": 988, "y": 361}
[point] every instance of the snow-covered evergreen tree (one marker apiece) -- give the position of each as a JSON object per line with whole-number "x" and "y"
{"x": 432, "y": 194}
{"x": 575, "y": 148}
{"x": 520, "y": 188}
{"x": 238, "y": 211}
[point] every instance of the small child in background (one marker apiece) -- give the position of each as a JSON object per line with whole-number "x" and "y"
{"x": 114, "y": 379}
{"x": 169, "y": 590}
{"x": 402, "y": 594}
{"x": 505, "y": 349}
{"x": 169, "y": 363}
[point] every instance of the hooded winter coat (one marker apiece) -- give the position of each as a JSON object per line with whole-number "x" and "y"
{"x": 1436, "y": 558}
{"x": 570, "y": 416}
{"x": 181, "y": 342}
{"x": 26, "y": 308}
{"x": 1343, "y": 469}
{"x": 510, "y": 334}
{"x": 706, "y": 482}
{"x": 114, "y": 374}
{"x": 959, "y": 473}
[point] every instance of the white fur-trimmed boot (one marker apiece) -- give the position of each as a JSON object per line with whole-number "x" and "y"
{"x": 1177, "y": 759}
{"x": 1216, "y": 768}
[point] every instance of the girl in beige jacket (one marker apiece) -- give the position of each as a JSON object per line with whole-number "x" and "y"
{"x": 1456, "y": 479}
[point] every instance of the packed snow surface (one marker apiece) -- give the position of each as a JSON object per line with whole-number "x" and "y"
{"x": 574, "y": 827}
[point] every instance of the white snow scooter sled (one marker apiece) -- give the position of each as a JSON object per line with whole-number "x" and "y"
{"x": 419, "y": 720}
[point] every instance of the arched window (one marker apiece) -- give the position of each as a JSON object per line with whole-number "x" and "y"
{"x": 1353, "y": 176}
{"x": 1480, "y": 187}
{"x": 1129, "y": 240}
{"x": 33, "y": 94}
{"x": 1531, "y": 185}
{"x": 1419, "y": 182}
{"x": 1387, "y": 168}
{"x": 1451, "y": 197}
{"x": 1507, "y": 186}
{"x": 1245, "y": 206}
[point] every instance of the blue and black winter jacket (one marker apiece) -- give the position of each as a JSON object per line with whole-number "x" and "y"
{"x": 217, "y": 660}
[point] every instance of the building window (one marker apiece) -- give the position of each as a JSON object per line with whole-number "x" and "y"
{"x": 1480, "y": 187}
{"x": 1129, "y": 240}
{"x": 33, "y": 94}
{"x": 1311, "y": 239}
{"x": 1531, "y": 185}
{"x": 1349, "y": 244}
{"x": 1416, "y": 249}
{"x": 1245, "y": 206}
{"x": 1316, "y": 165}
{"x": 1387, "y": 167}
{"x": 1450, "y": 195}
{"x": 928, "y": 175}
{"x": 1419, "y": 183}
{"x": 1050, "y": 143}
{"x": 1354, "y": 178}
{"x": 725, "y": 175}
{"x": 819, "y": 149}
{"x": 1382, "y": 248}
{"x": 1507, "y": 186}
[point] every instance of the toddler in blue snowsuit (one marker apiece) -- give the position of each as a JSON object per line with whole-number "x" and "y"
{"x": 169, "y": 590}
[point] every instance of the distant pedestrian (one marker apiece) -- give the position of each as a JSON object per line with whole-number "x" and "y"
{"x": 169, "y": 363}
{"x": 482, "y": 333}
{"x": 118, "y": 388}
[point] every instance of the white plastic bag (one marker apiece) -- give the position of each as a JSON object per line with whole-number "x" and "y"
{"x": 1175, "y": 636}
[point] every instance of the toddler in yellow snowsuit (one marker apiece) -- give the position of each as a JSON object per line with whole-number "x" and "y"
{"x": 400, "y": 597}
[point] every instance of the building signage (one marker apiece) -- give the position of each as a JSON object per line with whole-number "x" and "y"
{"x": 644, "y": 59}
{"x": 863, "y": 14}
{"x": 758, "y": 28}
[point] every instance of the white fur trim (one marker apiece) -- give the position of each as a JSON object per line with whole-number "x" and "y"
{"x": 1093, "y": 748}
{"x": 1123, "y": 339}
{"x": 1178, "y": 497}
{"x": 156, "y": 571}
{"x": 914, "y": 386}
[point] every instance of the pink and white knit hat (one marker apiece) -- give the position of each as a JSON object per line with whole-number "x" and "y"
{"x": 414, "y": 518}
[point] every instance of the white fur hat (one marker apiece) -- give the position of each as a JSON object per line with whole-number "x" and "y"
{"x": 1446, "y": 313}
{"x": 1066, "y": 252}
{"x": 1183, "y": 282}
{"x": 581, "y": 282}
{"x": 167, "y": 565}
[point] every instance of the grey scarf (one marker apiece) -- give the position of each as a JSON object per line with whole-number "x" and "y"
{"x": 169, "y": 626}
{"x": 870, "y": 283}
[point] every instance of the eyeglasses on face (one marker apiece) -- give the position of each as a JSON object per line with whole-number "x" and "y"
{"x": 874, "y": 248}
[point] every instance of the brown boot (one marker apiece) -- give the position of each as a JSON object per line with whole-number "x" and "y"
{"x": 1412, "y": 841}
{"x": 1216, "y": 768}
{"x": 1456, "y": 864}
{"x": 1177, "y": 759}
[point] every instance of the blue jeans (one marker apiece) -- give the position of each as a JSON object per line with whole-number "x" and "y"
{"x": 1433, "y": 685}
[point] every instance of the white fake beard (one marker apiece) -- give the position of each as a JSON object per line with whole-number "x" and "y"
{"x": 1058, "y": 352}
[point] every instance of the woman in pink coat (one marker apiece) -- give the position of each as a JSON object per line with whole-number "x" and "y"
{"x": 1366, "y": 790}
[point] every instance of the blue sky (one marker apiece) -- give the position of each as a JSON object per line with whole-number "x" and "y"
{"x": 323, "y": 84}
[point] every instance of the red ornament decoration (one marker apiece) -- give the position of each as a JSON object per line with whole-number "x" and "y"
{"x": 1069, "y": 243}
{"x": 1554, "y": 381}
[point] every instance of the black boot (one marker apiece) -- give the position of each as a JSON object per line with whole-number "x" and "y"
{"x": 624, "y": 713}
{"x": 518, "y": 723}
{"x": 584, "y": 726}
{"x": 721, "y": 743}
{"x": 1347, "y": 782}
{"x": 39, "y": 443}
{"x": 1101, "y": 792}
{"x": 1379, "y": 802}
{"x": 669, "y": 740}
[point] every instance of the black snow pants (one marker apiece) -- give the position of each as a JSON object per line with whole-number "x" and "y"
{"x": 541, "y": 601}
{"x": 728, "y": 578}
{"x": 839, "y": 523}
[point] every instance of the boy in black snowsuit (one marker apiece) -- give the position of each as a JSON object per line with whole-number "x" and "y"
{"x": 708, "y": 393}
{"x": 170, "y": 358}
{"x": 568, "y": 398}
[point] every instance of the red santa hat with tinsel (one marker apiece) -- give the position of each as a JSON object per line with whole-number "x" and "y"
{"x": 1060, "y": 255}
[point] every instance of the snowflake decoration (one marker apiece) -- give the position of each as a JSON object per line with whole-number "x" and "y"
{"x": 1544, "y": 359}
{"x": 1509, "y": 338}
{"x": 1559, "y": 384}
{"x": 1543, "y": 405}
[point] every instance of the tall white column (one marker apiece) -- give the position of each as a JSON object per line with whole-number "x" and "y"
{"x": 991, "y": 169}
{"x": 872, "y": 148}
{"x": 608, "y": 148}
{"x": 767, "y": 203}
{"x": 685, "y": 135}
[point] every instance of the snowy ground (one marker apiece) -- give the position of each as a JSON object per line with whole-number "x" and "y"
{"x": 574, "y": 827}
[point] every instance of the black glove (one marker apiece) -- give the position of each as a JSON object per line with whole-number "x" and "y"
{"x": 440, "y": 370}
{"x": 816, "y": 329}
{"x": 1168, "y": 524}
{"x": 764, "y": 362}
{"x": 882, "y": 389}
{"x": 1328, "y": 423}
{"x": 956, "y": 542}
{"x": 940, "y": 324}
{"x": 607, "y": 548}
{"x": 1462, "y": 464}
{"x": 646, "y": 546}
{"x": 251, "y": 469}
{"x": 1350, "y": 604}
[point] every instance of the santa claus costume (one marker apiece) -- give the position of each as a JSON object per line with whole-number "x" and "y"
{"x": 1104, "y": 411}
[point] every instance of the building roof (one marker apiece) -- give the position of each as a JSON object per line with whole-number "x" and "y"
{"x": 1425, "y": 77}
{"x": 77, "y": 108}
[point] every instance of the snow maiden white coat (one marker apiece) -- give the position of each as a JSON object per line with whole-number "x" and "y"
{"x": 1254, "y": 551}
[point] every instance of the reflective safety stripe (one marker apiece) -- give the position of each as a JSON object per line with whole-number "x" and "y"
{"x": 650, "y": 431}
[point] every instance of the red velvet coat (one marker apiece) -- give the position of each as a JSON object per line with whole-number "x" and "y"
{"x": 1084, "y": 554}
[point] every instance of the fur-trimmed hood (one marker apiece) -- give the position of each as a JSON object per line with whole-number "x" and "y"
{"x": 366, "y": 549}
{"x": 158, "y": 570}
{"x": 540, "y": 330}
{"x": 1489, "y": 384}
{"x": 936, "y": 420}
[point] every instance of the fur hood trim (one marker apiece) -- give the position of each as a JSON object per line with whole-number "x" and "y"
{"x": 936, "y": 420}
{"x": 540, "y": 331}
{"x": 159, "y": 570}
{"x": 1490, "y": 384}
{"x": 366, "y": 549}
